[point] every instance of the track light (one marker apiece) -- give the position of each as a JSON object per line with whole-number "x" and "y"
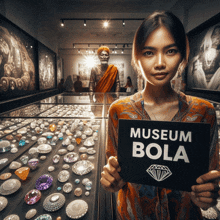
{"x": 105, "y": 24}
{"x": 78, "y": 50}
{"x": 74, "y": 46}
{"x": 84, "y": 22}
{"x": 122, "y": 51}
{"x": 123, "y": 22}
{"x": 62, "y": 23}
{"x": 116, "y": 46}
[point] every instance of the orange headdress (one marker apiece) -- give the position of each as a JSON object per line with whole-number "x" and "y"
{"x": 101, "y": 49}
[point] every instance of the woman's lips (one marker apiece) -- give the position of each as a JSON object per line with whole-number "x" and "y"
{"x": 160, "y": 75}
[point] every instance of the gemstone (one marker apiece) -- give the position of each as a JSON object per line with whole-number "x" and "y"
{"x": 3, "y": 160}
{"x": 10, "y": 186}
{"x": 46, "y": 134}
{"x": 78, "y": 140}
{"x": 68, "y": 133}
{"x": 24, "y": 159}
{"x": 32, "y": 197}
{"x": 95, "y": 136}
{"x": 59, "y": 188}
{"x": 52, "y": 127}
{"x": 43, "y": 157}
{"x": 60, "y": 122}
{"x": 76, "y": 209}
{"x": 54, "y": 202}
{"x": 33, "y": 138}
{"x": 42, "y": 140}
{"x": 5, "y": 176}
{"x": 62, "y": 151}
{"x": 60, "y": 136}
{"x": 71, "y": 157}
{"x": 89, "y": 142}
{"x": 77, "y": 181}
{"x": 33, "y": 125}
{"x": 88, "y": 131}
{"x": 44, "y": 217}
{"x": 18, "y": 137}
{"x": 68, "y": 187}
{"x": 66, "y": 142}
{"x": 87, "y": 193}
{"x": 70, "y": 147}
{"x": 32, "y": 163}
{"x": 3, "y": 203}
{"x": 31, "y": 213}
{"x": 8, "y": 131}
{"x": 91, "y": 151}
{"x": 4, "y": 146}
{"x": 56, "y": 158}
{"x": 83, "y": 157}
{"x": 58, "y": 218}
{"x": 14, "y": 150}
{"x": 12, "y": 217}
{"x": 21, "y": 143}
{"x": 91, "y": 158}
{"x": 66, "y": 166}
{"x": 15, "y": 165}
{"x": 33, "y": 152}
{"x": 9, "y": 137}
{"x": 78, "y": 192}
{"x": 22, "y": 172}
{"x": 82, "y": 149}
{"x": 44, "y": 148}
{"x": 78, "y": 134}
{"x": 159, "y": 172}
{"x": 22, "y": 130}
{"x": 82, "y": 167}
{"x": 44, "y": 182}
{"x": 83, "y": 136}
{"x": 88, "y": 185}
{"x": 95, "y": 127}
{"x": 51, "y": 168}
{"x": 63, "y": 176}
{"x": 84, "y": 181}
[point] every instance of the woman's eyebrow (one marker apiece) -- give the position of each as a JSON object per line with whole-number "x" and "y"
{"x": 154, "y": 48}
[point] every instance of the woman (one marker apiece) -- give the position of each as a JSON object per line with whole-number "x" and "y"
{"x": 160, "y": 51}
{"x": 129, "y": 86}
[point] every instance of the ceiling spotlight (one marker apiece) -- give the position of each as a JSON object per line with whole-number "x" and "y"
{"x": 113, "y": 51}
{"x": 74, "y": 46}
{"x": 78, "y": 50}
{"x": 86, "y": 51}
{"x": 122, "y": 51}
{"x": 105, "y": 24}
{"x": 123, "y": 22}
{"x": 116, "y": 51}
{"x": 116, "y": 46}
{"x": 84, "y": 22}
{"x": 62, "y": 23}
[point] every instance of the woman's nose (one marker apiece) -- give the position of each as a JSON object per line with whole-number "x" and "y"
{"x": 160, "y": 62}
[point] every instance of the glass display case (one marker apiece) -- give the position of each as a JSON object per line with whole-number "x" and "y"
{"x": 51, "y": 156}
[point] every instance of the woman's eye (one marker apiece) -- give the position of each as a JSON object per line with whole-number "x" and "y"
{"x": 172, "y": 51}
{"x": 148, "y": 53}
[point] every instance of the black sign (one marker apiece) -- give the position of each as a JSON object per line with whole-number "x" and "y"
{"x": 164, "y": 154}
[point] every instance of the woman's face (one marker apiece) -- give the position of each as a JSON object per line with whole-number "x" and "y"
{"x": 159, "y": 58}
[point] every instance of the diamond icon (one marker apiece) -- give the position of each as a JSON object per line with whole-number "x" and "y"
{"x": 159, "y": 172}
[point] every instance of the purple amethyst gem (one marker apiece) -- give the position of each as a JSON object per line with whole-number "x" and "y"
{"x": 44, "y": 182}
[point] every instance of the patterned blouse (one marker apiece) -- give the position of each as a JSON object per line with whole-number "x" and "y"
{"x": 143, "y": 202}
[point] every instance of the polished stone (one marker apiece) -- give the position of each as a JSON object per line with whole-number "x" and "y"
{"x": 44, "y": 182}
{"x": 3, "y": 203}
{"x": 5, "y": 176}
{"x": 31, "y": 213}
{"x": 32, "y": 197}
{"x": 76, "y": 209}
{"x": 63, "y": 176}
{"x": 22, "y": 172}
{"x": 10, "y": 186}
{"x": 15, "y": 165}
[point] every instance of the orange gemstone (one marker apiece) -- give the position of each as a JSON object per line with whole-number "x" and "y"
{"x": 78, "y": 140}
{"x": 52, "y": 127}
{"x": 22, "y": 172}
{"x": 58, "y": 218}
{"x": 5, "y": 176}
{"x": 83, "y": 156}
{"x": 18, "y": 137}
{"x": 9, "y": 137}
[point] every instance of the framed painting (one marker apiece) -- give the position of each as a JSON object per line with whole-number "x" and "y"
{"x": 47, "y": 67}
{"x": 59, "y": 69}
{"x": 18, "y": 61}
{"x": 203, "y": 72}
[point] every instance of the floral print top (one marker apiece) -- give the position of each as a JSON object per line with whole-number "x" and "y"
{"x": 143, "y": 202}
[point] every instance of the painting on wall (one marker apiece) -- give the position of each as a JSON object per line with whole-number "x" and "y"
{"x": 47, "y": 67}
{"x": 203, "y": 72}
{"x": 18, "y": 61}
{"x": 84, "y": 72}
{"x": 121, "y": 70}
{"x": 59, "y": 69}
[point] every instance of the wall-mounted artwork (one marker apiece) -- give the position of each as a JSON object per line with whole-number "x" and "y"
{"x": 47, "y": 67}
{"x": 59, "y": 69}
{"x": 17, "y": 61}
{"x": 203, "y": 71}
{"x": 121, "y": 70}
{"x": 84, "y": 72}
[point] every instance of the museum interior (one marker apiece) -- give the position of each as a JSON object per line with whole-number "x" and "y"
{"x": 53, "y": 124}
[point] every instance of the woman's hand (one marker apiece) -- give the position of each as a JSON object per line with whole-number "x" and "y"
{"x": 111, "y": 179}
{"x": 205, "y": 194}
